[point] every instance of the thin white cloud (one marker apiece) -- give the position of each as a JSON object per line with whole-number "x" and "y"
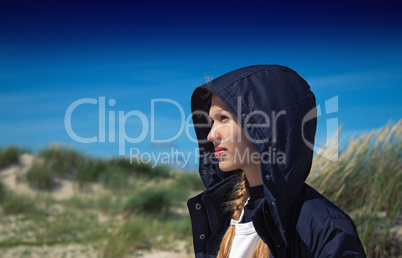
{"x": 24, "y": 128}
{"x": 353, "y": 78}
{"x": 16, "y": 98}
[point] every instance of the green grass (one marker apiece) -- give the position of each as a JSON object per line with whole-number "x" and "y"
{"x": 9, "y": 155}
{"x": 134, "y": 233}
{"x": 88, "y": 171}
{"x": 59, "y": 161}
{"x": 71, "y": 226}
{"x": 40, "y": 220}
{"x": 41, "y": 175}
{"x": 117, "y": 181}
{"x": 188, "y": 180}
{"x": 2, "y": 191}
{"x": 141, "y": 232}
{"x": 156, "y": 198}
{"x": 134, "y": 196}
{"x": 16, "y": 204}
{"x": 63, "y": 160}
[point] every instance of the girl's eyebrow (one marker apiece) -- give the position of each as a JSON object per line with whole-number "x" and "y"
{"x": 218, "y": 112}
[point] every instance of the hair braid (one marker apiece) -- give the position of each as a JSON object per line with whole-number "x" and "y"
{"x": 239, "y": 198}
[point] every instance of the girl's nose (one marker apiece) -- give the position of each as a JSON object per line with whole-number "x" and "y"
{"x": 212, "y": 135}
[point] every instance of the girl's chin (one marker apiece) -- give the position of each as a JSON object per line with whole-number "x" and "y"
{"x": 226, "y": 167}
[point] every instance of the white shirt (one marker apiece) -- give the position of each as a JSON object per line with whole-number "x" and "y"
{"x": 245, "y": 240}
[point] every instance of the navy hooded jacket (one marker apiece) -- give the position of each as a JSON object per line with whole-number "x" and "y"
{"x": 294, "y": 220}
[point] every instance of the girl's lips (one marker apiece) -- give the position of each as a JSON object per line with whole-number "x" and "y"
{"x": 219, "y": 152}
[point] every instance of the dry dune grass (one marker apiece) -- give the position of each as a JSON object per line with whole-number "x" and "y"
{"x": 366, "y": 181}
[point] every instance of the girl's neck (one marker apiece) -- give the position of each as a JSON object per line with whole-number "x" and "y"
{"x": 253, "y": 175}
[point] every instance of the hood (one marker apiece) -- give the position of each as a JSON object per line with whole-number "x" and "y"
{"x": 278, "y": 110}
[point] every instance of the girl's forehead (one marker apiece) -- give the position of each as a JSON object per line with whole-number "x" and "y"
{"x": 217, "y": 104}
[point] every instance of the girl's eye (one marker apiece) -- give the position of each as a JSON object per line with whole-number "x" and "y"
{"x": 221, "y": 118}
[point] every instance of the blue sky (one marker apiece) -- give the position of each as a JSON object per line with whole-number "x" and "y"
{"x": 53, "y": 54}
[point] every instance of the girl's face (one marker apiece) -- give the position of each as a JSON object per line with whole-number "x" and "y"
{"x": 232, "y": 147}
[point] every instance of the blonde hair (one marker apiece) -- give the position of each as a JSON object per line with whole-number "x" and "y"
{"x": 239, "y": 198}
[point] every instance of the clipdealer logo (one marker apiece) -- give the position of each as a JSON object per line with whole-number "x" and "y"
{"x": 330, "y": 151}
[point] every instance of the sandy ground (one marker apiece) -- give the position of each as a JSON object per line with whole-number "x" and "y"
{"x": 76, "y": 250}
{"x": 70, "y": 250}
{"x": 9, "y": 177}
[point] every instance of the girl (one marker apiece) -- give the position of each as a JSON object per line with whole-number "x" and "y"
{"x": 254, "y": 127}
